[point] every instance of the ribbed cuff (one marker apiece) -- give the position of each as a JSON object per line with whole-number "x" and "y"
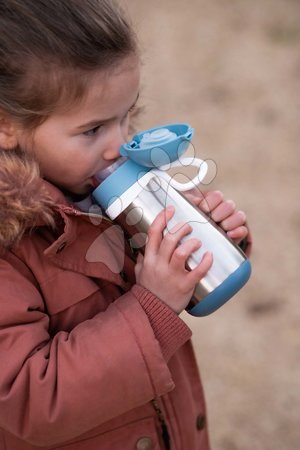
{"x": 170, "y": 331}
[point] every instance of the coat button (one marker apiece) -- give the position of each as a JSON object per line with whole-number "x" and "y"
{"x": 200, "y": 422}
{"x": 61, "y": 247}
{"x": 145, "y": 443}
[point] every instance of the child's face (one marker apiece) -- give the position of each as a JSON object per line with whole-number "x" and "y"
{"x": 72, "y": 146}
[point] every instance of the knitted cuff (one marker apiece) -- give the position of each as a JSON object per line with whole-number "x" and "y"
{"x": 170, "y": 331}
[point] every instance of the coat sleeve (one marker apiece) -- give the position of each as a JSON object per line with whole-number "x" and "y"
{"x": 55, "y": 388}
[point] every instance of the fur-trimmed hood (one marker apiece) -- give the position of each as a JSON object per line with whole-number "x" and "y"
{"x": 24, "y": 200}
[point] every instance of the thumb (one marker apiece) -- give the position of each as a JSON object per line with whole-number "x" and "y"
{"x": 139, "y": 263}
{"x": 139, "y": 259}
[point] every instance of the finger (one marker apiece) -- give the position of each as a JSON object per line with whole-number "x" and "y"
{"x": 194, "y": 197}
{"x": 195, "y": 275}
{"x": 196, "y": 192}
{"x": 238, "y": 234}
{"x": 155, "y": 231}
{"x": 172, "y": 239}
{"x": 237, "y": 219}
{"x": 223, "y": 211}
{"x": 183, "y": 252}
{"x": 211, "y": 200}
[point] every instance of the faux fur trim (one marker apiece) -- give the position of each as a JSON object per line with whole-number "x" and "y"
{"x": 24, "y": 203}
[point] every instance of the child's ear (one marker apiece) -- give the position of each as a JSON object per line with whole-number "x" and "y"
{"x": 8, "y": 132}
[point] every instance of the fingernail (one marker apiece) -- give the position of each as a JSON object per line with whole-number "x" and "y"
{"x": 170, "y": 208}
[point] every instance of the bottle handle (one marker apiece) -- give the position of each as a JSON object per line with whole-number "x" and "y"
{"x": 203, "y": 167}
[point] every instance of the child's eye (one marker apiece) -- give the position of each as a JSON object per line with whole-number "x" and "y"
{"x": 129, "y": 113}
{"x": 133, "y": 107}
{"x": 92, "y": 131}
{"x": 135, "y": 110}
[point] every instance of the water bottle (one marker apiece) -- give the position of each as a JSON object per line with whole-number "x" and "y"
{"x": 137, "y": 187}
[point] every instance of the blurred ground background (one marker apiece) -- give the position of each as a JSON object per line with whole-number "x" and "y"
{"x": 231, "y": 68}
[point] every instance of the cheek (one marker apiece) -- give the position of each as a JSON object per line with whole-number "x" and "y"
{"x": 25, "y": 142}
{"x": 125, "y": 127}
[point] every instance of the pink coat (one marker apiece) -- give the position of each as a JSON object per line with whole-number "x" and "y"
{"x": 89, "y": 360}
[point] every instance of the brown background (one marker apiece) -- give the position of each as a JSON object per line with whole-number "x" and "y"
{"x": 231, "y": 68}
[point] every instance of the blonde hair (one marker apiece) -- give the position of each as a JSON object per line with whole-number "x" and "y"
{"x": 24, "y": 203}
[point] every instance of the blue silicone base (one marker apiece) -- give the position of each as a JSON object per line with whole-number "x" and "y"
{"x": 224, "y": 292}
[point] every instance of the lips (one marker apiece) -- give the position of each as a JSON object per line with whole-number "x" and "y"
{"x": 95, "y": 182}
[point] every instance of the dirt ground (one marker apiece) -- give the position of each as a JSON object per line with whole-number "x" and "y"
{"x": 231, "y": 68}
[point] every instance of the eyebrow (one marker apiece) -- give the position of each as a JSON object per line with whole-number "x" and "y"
{"x": 96, "y": 122}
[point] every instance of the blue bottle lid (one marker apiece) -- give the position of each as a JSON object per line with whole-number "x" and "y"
{"x": 118, "y": 182}
{"x": 148, "y": 149}
{"x": 158, "y": 146}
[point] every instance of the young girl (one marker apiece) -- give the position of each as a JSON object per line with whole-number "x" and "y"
{"x": 90, "y": 357}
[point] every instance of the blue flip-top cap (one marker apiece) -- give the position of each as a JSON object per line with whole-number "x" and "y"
{"x": 118, "y": 182}
{"x": 148, "y": 149}
{"x": 158, "y": 146}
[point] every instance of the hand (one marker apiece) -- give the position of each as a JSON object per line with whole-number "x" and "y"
{"x": 162, "y": 270}
{"x": 223, "y": 212}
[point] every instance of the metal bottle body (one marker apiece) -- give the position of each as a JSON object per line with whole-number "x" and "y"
{"x": 156, "y": 195}
{"x": 133, "y": 195}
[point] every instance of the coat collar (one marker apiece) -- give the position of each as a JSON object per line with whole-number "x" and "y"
{"x": 88, "y": 243}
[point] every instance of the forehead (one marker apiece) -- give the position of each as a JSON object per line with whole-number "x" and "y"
{"x": 109, "y": 91}
{"x": 113, "y": 84}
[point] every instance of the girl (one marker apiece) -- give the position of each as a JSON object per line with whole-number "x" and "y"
{"x": 91, "y": 356}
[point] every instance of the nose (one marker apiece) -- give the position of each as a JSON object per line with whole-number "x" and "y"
{"x": 116, "y": 139}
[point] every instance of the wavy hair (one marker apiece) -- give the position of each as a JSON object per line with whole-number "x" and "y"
{"x": 49, "y": 48}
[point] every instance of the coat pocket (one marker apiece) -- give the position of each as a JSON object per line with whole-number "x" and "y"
{"x": 138, "y": 435}
{"x": 66, "y": 289}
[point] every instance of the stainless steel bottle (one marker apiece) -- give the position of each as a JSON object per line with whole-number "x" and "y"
{"x": 133, "y": 196}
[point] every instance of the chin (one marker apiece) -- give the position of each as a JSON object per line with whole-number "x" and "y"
{"x": 81, "y": 191}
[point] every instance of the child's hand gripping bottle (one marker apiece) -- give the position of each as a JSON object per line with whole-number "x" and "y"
{"x": 138, "y": 188}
